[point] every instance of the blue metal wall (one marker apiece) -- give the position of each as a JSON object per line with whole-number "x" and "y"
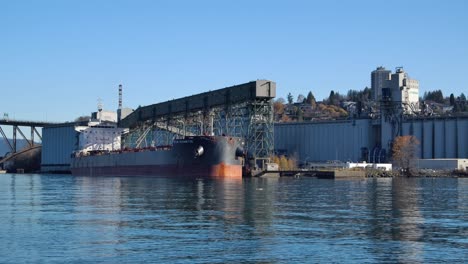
{"x": 439, "y": 137}
{"x": 58, "y": 143}
{"x": 343, "y": 140}
{"x": 322, "y": 141}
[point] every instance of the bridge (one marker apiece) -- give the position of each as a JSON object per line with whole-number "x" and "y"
{"x": 12, "y": 140}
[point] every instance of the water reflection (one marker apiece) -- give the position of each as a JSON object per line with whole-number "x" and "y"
{"x": 407, "y": 227}
{"x": 123, "y": 219}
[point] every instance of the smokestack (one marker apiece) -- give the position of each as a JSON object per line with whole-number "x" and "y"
{"x": 119, "y": 110}
{"x": 120, "y": 97}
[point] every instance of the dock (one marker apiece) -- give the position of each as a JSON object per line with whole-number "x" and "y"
{"x": 320, "y": 174}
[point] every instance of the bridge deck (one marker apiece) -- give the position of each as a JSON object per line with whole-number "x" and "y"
{"x": 12, "y": 122}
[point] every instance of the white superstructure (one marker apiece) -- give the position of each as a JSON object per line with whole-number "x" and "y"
{"x": 105, "y": 136}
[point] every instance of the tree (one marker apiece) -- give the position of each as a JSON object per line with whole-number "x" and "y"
{"x": 275, "y": 159}
{"x": 285, "y": 118}
{"x": 435, "y": 96}
{"x": 457, "y": 108}
{"x": 452, "y": 99}
{"x": 290, "y": 99}
{"x": 283, "y": 163}
{"x": 353, "y": 95}
{"x": 332, "y": 98}
{"x": 404, "y": 151}
{"x": 82, "y": 118}
{"x": 462, "y": 97}
{"x": 278, "y": 107}
{"x": 367, "y": 94}
{"x": 311, "y": 100}
{"x": 292, "y": 163}
{"x": 300, "y": 115}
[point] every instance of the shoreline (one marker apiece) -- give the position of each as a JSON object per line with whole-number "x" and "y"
{"x": 417, "y": 174}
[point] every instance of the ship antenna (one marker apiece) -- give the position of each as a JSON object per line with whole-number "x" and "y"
{"x": 99, "y": 107}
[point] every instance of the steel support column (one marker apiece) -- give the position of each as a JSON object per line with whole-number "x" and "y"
{"x": 14, "y": 138}
{"x": 6, "y": 139}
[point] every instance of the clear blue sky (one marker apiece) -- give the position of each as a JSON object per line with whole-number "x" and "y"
{"x": 58, "y": 57}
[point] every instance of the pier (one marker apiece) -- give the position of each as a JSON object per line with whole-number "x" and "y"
{"x": 321, "y": 174}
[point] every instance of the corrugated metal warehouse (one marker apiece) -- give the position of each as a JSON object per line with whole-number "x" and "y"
{"x": 344, "y": 140}
{"x": 58, "y": 143}
{"x": 322, "y": 141}
{"x": 439, "y": 137}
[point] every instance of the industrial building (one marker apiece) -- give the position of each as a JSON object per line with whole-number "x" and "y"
{"x": 378, "y": 81}
{"x": 371, "y": 140}
{"x": 245, "y": 110}
{"x": 361, "y": 139}
{"x": 58, "y": 144}
{"x": 326, "y": 141}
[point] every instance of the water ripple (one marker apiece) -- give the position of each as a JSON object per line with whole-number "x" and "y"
{"x": 59, "y": 218}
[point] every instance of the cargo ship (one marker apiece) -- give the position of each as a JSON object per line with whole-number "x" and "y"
{"x": 100, "y": 153}
{"x": 194, "y": 156}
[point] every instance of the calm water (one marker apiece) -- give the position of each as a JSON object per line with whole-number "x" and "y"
{"x": 63, "y": 219}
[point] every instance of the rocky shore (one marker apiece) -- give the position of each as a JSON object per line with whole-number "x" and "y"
{"x": 370, "y": 173}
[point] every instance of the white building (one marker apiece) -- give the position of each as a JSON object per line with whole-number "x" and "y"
{"x": 405, "y": 90}
{"x": 365, "y": 165}
{"x": 443, "y": 164}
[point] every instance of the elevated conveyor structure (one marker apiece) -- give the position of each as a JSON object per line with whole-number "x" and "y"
{"x": 26, "y": 158}
{"x": 244, "y": 110}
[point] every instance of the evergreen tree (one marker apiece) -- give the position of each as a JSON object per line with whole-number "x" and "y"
{"x": 290, "y": 99}
{"x": 331, "y": 98}
{"x": 452, "y": 99}
{"x": 456, "y": 108}
{"x": 435, "y": 96}
{"x": 462, "y": 97}
{"x": 311, "y": 100}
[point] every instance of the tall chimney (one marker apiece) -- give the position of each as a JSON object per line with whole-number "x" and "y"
{"x": 119, "y": 110}
{"x": 120, "y": 96}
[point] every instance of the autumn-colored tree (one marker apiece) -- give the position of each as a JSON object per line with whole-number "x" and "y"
{"x": 283, "y": 163}
{"x": 292, "y": 163}
{"x": 275, "y": 159}
{"x": 285, "y": 118}
{"x": 404, "y": 153}
{"x": 278, "y": 108}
